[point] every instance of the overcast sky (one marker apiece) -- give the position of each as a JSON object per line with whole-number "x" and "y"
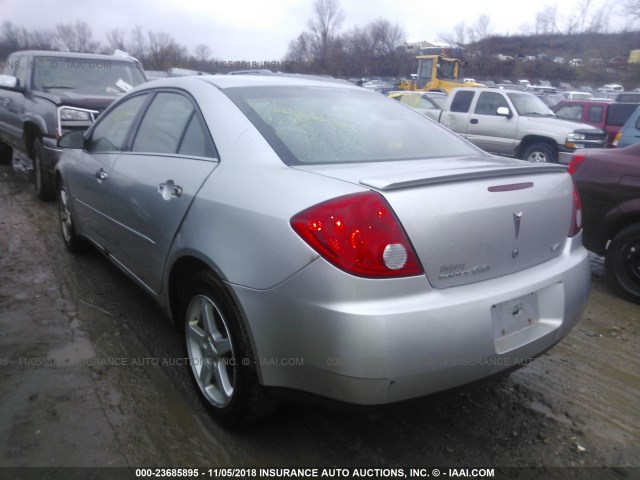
{"x": 259, "y": 30}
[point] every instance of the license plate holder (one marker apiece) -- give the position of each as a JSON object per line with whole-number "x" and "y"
{"x": 515, "y": 315}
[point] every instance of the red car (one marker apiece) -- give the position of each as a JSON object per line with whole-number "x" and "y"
{"x": 609, "y": 116}
{"x": 608, "y": 182}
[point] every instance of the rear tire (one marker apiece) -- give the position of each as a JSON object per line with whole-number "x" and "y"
{"x": 222, "y": 363}
{"x": 43, "y": 181}
{"x": 622, "y": 263}
{"x": 540, "y": 153}
{"x": 6, "y": 154}
{"x": 71, "y": 240}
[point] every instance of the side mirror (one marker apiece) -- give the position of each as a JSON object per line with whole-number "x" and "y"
{"x": 504, "y": 112}
{"x": 8, "y": 81}
{"x": 72, "y": 139}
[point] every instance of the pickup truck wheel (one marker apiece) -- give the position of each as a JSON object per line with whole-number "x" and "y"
{"x": 6, "y": 154}
{"x": 622, "y": 263}
{"x": 43, "y": 182}
{"x": 540, "y": 153}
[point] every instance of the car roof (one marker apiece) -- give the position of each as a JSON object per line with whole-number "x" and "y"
{"x": 84, "y": 56}
{"x": 253, "y": 80}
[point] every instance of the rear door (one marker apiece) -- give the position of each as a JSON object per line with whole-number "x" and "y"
{"x": 151, "y": 187}
{"x": 456, "y": 116}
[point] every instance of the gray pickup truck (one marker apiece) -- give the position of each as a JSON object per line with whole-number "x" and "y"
{"x": 46, "y": 94}
{"x": 516, "y": 124}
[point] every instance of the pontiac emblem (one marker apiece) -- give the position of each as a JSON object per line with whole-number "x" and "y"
{"x": 516, "y": 222}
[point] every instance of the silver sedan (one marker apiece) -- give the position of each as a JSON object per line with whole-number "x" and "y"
{"x": 304, "y": 234}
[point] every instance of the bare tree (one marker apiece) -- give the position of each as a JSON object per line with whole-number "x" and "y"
{"x": 163, "y": 51}
{"x": 115, "y": 39}
{"x": 482, "y": 27}
{"x": 138, "y": 46}
{"x": 456, "y": 37}
{"x": 632, "y": 8}
{"x": 76, "y": 37}
{"x": 328, "y": 16}
{"x": 547, "y": 21}
{"x": 202, "y": 52}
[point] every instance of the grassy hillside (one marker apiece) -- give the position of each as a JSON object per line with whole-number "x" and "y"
{"x": 586, "y": 46}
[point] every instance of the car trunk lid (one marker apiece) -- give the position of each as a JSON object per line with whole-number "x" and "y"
{"x": 472, "y": 219}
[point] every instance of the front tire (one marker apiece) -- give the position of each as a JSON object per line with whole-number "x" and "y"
{"x": 222, "y": 364}
{"x": 43, "y": 182}
{"x": 622, "y": 263}
{"x": 540, "y": 153}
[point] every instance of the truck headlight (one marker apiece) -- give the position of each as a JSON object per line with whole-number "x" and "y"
{"x": 73, "y": 114}
{"x": 574, "y": 140}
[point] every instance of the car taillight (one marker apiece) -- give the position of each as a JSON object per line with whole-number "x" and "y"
{"x": 575, "y": 162}
{"x": 576, "y": 214}
{"x": 359, "y": 234}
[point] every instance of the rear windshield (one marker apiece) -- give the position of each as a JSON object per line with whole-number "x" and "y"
{"x": 319, "y": 125}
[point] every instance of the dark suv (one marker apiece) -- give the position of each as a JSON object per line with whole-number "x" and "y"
{"x": 45, "y": 94}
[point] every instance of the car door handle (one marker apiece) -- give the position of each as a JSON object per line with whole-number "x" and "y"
{"x": 169, "y": 190}
{"x": 101, "y": 175}
{"x": 474, "y": 121}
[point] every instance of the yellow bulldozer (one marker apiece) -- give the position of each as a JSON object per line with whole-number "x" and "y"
{"x": 437, "y": 73}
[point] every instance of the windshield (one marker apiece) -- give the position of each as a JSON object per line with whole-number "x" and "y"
{"x": 530, "y": 105}
{"x": 88, "y": 76}
{"x": 313, "y": 125}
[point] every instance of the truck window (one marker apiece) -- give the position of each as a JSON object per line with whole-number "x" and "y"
{"x": 424, "y": 72}
{"x": 22, "y": 70}
{"x": 489, "y": 102}
{"x": 595, "y": 113}
{"x": 446, "y": 70}
{"x": 462, "y": 101}
{"x": 619, "y": 113}
{"x": 570, "y": 112}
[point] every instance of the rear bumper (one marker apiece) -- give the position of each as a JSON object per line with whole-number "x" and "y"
{"x": 373, "y": 342}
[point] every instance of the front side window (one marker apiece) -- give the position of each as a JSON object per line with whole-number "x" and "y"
{"x": 110, "y": 133}
{"x": 425, "y": 67}
{"x": 171, "y": 126}
{"x": 489, "y": 102}
{"x": 319, "y": 125}
{"x": 570, "y": 112}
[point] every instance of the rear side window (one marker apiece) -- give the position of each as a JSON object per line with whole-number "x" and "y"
{"x": 461, "y": 101}
{"x": 619, "y": 113}
{"x": 595, "y": 113}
